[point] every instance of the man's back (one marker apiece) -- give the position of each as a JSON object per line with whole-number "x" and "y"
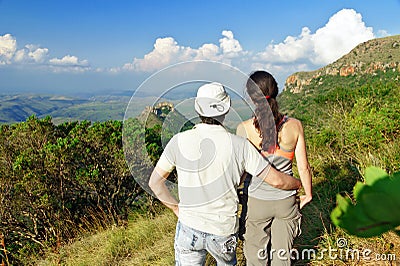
{"x": 209, "y": 162}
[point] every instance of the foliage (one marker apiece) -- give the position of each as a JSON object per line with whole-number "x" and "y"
{"x": 55, "y": 181}
{"x": 375, "y": 211}
{"x": 153, "y": 143}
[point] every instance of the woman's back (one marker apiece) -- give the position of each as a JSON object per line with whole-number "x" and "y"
{"x": 290, "y": 144}
{"x": 281, "y": 159}
{"x": 288, "y": 133}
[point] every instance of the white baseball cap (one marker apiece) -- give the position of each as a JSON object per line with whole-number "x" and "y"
{"x": 212, "y": 100}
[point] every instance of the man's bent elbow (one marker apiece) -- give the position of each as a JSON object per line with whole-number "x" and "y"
{"x": 288, "y": 183}
{"x": 275, "y": 182}
{"x": 282, "y": 181}
{"x": 295, "y": 185}
{"x": 153, "y": 182}
{"x": 278, "y": 184}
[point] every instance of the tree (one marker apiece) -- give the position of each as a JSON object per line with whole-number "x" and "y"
{"x": 57, "y": 180}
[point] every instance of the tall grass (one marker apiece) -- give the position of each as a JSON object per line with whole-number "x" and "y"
{"x": 3, "y": 252}
{"x": 144, "y": 241}
{"x": 149, "y": 241}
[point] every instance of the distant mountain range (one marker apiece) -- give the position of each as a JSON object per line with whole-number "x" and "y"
{"x": 17, "y": 108}
{"x": 367, "y": 59}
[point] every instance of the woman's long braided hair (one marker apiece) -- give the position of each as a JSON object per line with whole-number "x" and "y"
{"x": 263, "y": 89}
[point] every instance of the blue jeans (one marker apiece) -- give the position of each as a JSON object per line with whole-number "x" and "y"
{"x": 191, "y": 247}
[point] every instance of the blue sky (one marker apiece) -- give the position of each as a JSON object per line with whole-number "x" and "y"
{"x": 71, "y": 46}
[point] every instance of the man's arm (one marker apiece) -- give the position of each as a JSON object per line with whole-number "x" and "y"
{"x": 157, "y": 185}
{"x": 278, "y": 179}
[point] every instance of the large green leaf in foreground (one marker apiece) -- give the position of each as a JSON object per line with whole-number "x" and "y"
{"x": 377, "y": 205}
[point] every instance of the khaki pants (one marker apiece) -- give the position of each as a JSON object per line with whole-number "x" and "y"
{"x": 271, "y": 227}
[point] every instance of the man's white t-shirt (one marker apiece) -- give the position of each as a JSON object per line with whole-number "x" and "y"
{"x": 210, "y": 162}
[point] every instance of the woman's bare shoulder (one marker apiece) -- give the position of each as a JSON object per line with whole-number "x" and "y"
{"x": 293, "y": 124}
{"x": 290, "y": 133}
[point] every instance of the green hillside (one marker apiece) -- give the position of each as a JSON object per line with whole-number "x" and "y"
{"x": 17, "y": 108}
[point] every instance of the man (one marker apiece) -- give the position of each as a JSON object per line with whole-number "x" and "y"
{"x": 210, "y": 163}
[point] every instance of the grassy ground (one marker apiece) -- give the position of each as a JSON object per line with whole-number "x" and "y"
{"x": 143, "y": 241}
{"x": 149, "y": 241}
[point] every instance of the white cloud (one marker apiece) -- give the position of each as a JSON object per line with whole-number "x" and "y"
{"x": 167, "y": 51}
{"x": 68, "y": 64}
{"x": 309, "y": 51}
{"x": 290, "y": 50}
{"x": 68, "y": 60}
{"x": 36, "y": 56}
{"x": 31, "y": 54}
{"x": 8, "y": 46}
{"x": 343, "y": 32}
{"x": 229, "y": 45}
{"x": 208, "y": 51}
{"x": 383, "y": 33}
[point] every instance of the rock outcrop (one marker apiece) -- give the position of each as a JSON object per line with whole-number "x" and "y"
{"x": 381, "y": 54}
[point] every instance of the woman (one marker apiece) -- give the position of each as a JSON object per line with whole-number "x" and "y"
{"x": 273, "y": 218}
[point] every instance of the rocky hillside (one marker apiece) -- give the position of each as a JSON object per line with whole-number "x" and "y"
{"x": 382, "y": 54}
{"x": 165, "y": 115}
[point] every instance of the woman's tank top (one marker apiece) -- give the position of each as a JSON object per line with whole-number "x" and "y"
{"x": 282, "y": 160}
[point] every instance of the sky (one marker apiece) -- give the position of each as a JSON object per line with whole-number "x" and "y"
{"x": 104, "y": 46}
